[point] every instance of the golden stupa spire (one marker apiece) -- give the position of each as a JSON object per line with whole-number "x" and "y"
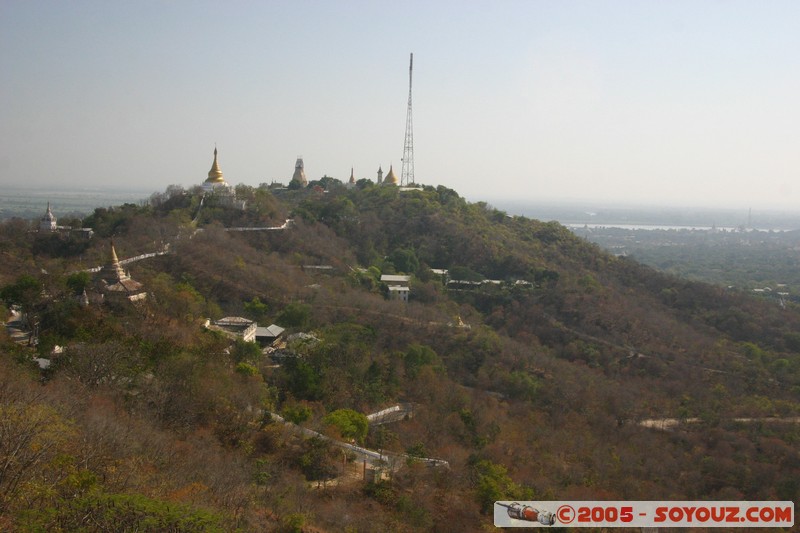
{"x": 215, "y": 174}
{"x": 113, "y": 271}
{"x": 114, "y": 258}
{"x": 391, "y": 177}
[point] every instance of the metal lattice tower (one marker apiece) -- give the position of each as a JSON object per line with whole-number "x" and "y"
{"x": 407, "y": 174}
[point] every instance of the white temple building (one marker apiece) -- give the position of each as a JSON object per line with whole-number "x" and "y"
{"x": 49, "y": 224}
{"x": 48, "y": 221}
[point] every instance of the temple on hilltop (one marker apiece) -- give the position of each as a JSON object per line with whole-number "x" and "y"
{"x": 299, "y": 173}
{"x": 48, "y": 221}
{"x": 352, "y": 181}
{"x": 49, "y": 224}
{"x": 114, "y": 284}
{"x": 216, "y": 188}
{"x": 390, "y": 179}
{"x": 215, "y": 181}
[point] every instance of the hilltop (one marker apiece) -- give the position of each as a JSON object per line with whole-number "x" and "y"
{"x": 535, "y": 363}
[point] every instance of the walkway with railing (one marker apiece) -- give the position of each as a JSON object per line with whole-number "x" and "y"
{"x": 381, "y": 459}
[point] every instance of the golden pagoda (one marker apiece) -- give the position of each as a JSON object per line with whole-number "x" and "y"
{"x": 215, "y": 178}
{"x": 115, "y": 283}
{"x": 391, "y": 177}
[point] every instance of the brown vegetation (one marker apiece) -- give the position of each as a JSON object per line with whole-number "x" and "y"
{"x": 148, "y": 416}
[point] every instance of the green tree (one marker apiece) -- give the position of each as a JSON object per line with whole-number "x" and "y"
{"x": 296, "y": 413}
{"x": 350, "y": 424}
{"x": 417, "y": 450}
{"x": 521, "y": 385}
{"x": 295, "y": 315}
{"x": 418, "y": 356}
{"x": 316, "y": 460}
{"x": 302, "y": 380}
{"x": 246, "y": 369}
{"x": 292, "y": 523}
{"x": 244, "y": 351}
{"x": 121, "y": 512}
{"x": 25, "y": 293}
{"x": 78, "y": 281}
{"x": 404, "y": 260}
{"x": 256, "y": 309}
{"x": 465, "y": 274}
{"x": 113, "y": 220}
{"x": 493, "y": 484}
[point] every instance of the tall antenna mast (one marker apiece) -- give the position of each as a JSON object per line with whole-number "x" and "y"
{"x": 407, "y": 174}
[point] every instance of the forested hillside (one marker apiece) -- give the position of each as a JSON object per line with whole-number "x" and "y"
{"x": 534, "y": 366}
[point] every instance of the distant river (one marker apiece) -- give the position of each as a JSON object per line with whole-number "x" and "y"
{"x": 651, "y": 227}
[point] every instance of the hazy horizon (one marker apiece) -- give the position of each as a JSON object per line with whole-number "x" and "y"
{"x": 643, "y": 103}
{"x": 500, "y": 202}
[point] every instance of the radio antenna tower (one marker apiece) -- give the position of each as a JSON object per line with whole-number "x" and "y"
{"x": 407, "y": 174}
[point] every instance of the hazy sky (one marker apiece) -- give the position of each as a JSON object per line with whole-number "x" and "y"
{"x": 655, "y": 102}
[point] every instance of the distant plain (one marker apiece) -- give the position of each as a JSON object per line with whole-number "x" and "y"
{"x": 29, "y": 203}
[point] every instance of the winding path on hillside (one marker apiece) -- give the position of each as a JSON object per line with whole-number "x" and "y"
{"x": 669, "y": 424}
{"x": 395, "y": 413}
{"x": 379, "y": 459}
{"x": 288, "y": 223}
